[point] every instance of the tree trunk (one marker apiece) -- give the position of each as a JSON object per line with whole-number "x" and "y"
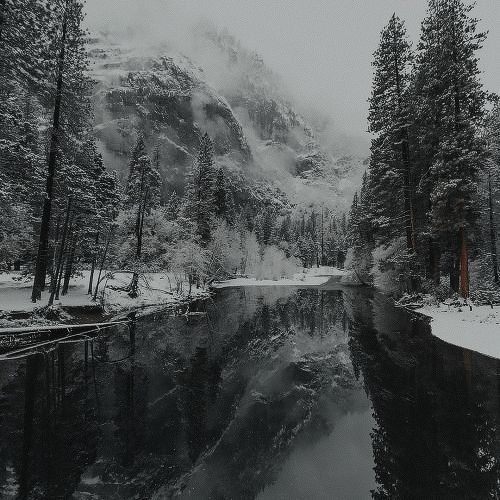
{"x": 140, "y": 224}
{"x": 455, "y": 249}
{"x": 134, "y": 286}
{"x": 464, "y": 265}
{"x": 41, "y": 259}
{"x": 405, "y": 156}
{"x": 408, "y": 194}
{"x": 138, "y": 233}
{"x": 434, "y": 261}
{"x": 69, "y": 268}
{"x": 493, "y": 234}
{"x": 101, "y": 267}
{"x": 58, "y": 267}
{"x": 55, "y": 251}
{"x": 94, "y": 261}
{"x": 455, "y": 270}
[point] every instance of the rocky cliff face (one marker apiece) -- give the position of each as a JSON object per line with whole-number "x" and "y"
{"x": 167, "y": 100}
{"x": 259, "y": 137}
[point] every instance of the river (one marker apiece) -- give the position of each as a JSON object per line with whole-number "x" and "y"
{"x": 270, "y": 393}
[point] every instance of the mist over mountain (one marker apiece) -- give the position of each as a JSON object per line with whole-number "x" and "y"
{"x": 174, "y": 92}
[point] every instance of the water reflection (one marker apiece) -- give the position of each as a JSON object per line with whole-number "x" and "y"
{"x": 436, "y": 408}
{"x": 272, "y": 393}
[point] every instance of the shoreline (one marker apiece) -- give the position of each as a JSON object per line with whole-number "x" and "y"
{"x": 466, "y": 325}
{"x": 311, "y": 277}
{"x": 78, "y": 307}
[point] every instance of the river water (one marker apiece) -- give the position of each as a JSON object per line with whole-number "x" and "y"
{"x": 271, "y": 393}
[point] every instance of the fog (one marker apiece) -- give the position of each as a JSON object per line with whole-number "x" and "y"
{"x": 321, "y": 48}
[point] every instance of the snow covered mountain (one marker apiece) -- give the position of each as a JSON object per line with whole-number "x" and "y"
{"x": 264, "y": 144}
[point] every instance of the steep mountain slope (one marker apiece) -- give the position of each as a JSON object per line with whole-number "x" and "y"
{"x": 262, "y": 142}
{"x": 166, "y": 98}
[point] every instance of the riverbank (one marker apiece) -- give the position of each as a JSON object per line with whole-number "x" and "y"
{"x": 155, "y": 290}
{"x": 472, "y": 327}
{"x": 315, "y": 276}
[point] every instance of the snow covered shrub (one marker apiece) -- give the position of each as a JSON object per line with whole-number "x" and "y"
{"x": 225, "y": 251}
{"x": 251, "y": 254}
{"x": 275, "y": 265}
{"x": 393, "y": 268}
{"x": 481, "y": 273}
{"x": 189, "y": 262}
{"x": 385, "y": 274}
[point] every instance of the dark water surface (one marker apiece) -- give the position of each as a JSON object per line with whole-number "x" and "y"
{"x": 275, "y": 393}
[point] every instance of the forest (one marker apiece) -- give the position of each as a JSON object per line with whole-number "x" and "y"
{"x": 210, "y": 289}
{"x": 423, "y": 220}
{"x": 63, "y": 210}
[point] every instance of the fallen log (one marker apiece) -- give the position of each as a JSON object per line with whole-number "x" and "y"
{"x": 50, "y": 328}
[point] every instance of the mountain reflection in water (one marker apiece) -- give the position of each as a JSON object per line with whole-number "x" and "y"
{"x": 275, "y": 393}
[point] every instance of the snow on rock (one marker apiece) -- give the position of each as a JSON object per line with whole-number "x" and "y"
{"x": 477, "y": 329}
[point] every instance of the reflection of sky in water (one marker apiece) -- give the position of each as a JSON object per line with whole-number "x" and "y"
{"x": 338, "y": 466}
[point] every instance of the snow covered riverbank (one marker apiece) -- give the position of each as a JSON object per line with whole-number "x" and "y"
{"x": 477, "y": 329}
{"x": 155, "y": 289}
{"x": 308, "y": 277}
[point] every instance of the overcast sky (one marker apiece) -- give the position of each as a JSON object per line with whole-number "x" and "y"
{"x": 322, "y": 48}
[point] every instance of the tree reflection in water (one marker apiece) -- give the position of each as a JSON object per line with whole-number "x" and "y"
{"x": 228, "y": 405}
{"x": 436, "y": 408}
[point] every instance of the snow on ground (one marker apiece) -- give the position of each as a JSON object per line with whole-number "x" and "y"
{"x": 308, "y": 277}
{"x": 155, "y": 289}
{"x": 15, "y": 294}
{"x": 477, "y": 330}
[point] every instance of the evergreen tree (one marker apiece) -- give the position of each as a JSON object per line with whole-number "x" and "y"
{"x": 68, "y": 90}
{"x": 265, "y": 226}
{"x": 173, "y": 206}
{"x": 390, "y": 165}
{"x": 359, "y": 233}
{"x": 491, "y": 186}
{"x": 143, "y": 189}
{"x": 220, "y": 195}
{"x": 199, "y": 202}
{"x": 449, "y": 107}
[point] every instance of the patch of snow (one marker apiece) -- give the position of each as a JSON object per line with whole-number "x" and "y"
{"x": 477, "y": 330}
{"x": 310, "y": 277}
{"x": 155, "y": 289}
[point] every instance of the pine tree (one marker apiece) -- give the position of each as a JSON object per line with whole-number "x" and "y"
{"x": 23, "y": 44}
{"x": 143, "y": 189}
{"x": 173, "y": 206}
{"x": 492, "y": 142}
{"x": 265, "y": 225}
{"x": 360, "y": 233}
{"x": 199, "y": 202}
{"x": 70, "y": 110}
{"x": 220, "y": 195}
{"x": 390, "y": 164}
{"x": 450, "y": 104}
{"x": 138, "y": 151}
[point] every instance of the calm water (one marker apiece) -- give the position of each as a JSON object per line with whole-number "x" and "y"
{"x": 275, "y": 393}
